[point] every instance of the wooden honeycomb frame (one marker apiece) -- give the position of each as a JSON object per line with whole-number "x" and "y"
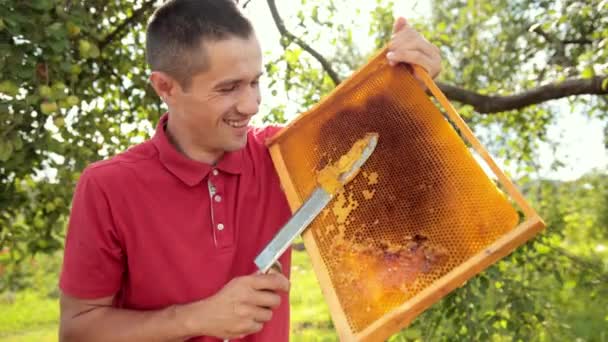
{"x": 402, "y": 316}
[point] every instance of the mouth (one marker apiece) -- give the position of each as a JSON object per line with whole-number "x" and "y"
{"x": 237, "y": 123}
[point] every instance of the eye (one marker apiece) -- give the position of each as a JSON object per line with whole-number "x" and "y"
{"x": 255, "y": 83}
{"x": 229, "y": 88}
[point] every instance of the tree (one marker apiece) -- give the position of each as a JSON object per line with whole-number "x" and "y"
{"x": 73, "y": 89}
{"x": 538, "y": 51}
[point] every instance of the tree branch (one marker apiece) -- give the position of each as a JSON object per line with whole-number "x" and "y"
{"x": 484, "y": 104}
{"x": 494, "y": 104}
{"x": 581, "y": 41}
{"x": 551, "y": 39}
{"x": 244, "y": 5}
{"x": 285, "y": 33}
{"x": 583, "y": 263}
{"x": 122, "y": 26}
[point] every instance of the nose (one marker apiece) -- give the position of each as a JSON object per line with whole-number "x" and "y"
{"x": 249, "y": 101}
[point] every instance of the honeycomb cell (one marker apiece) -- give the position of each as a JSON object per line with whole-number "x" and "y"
{"x": 421, "y": 205}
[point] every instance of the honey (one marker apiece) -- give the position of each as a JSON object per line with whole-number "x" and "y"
{"x": 420, "y": 207}
{"x": 329, "y": 177}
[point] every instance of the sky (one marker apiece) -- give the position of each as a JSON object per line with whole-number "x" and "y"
{"x": 581, "y": 146}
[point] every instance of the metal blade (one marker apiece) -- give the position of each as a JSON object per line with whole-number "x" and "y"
{"x": 298, "y": 222}
{"x": 306, "y": 214}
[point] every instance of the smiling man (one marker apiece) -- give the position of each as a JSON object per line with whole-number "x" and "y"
{"x": 162, "y": 238}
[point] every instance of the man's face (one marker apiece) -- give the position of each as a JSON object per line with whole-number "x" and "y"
{"x": 217, "y": 107}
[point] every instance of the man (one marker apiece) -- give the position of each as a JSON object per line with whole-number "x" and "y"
{"x": 162, "y": 237}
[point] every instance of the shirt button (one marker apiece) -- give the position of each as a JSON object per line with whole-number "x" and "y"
{"x": 218, "y": 198}
{"x": 220, "y": 227}
{"x": 215, "y": 172}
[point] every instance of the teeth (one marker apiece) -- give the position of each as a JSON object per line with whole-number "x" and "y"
{"x": 236, "y": 124}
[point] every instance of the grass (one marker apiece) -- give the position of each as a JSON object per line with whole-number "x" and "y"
{"x": 28, "y": 316}
{"x": 32, "y": 314}
{"x": 40, "y": 334}
{"x": 310, "y": 319}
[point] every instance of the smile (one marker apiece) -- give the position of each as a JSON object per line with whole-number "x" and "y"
{"x": 237, "y": 123}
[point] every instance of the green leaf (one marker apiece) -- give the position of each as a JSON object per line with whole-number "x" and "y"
{"x": 18, "y": 143}
{"x": 412, "y": 333}
{"x": 43, "y": 5}
{"x": 9, "y": 88}
{"x": 6, "y": 150}
{"x": 588, "y": 72}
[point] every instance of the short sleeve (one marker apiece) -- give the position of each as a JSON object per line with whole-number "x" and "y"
{"x": 263, "y": 134}
{"x": 93, "y": 263}
{"x": 272, "y": 130}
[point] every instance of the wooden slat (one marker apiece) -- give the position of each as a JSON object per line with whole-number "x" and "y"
{"x": 402, "y": 316}
{"x": 337, "y": 314}
{"x": 293, "y": 199}
{"x": 468, "y": 134}
{"x": 341, "y": 87}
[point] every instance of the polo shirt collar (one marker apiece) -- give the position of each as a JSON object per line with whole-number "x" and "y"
{"x": 187, "y": 170}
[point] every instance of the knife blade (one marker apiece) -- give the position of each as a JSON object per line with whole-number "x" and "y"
{"x": 311, "y": 208}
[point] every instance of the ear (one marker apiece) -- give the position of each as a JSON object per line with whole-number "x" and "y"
{"x": 164, "y": 85}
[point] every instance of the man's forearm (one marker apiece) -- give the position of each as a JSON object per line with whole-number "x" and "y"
{"x": 173, "y": 323}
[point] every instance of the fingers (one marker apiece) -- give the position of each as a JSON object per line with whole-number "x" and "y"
{"x": 251, "y": 315}
{"x": 255, "y": 313}
{"x": 409, "y": 46}
{"x": 271, "y": 281}
{"x": 276, "y": 267}
{"x": 244, "y": 305}
{"x": 410, "y": 39}
{"x": 412, "y": 57}
{"x": 262, "y": 315}
{"x": 399, "y": 24}
{"x": 251, "y": 318}
{"x": 264, "y": 298}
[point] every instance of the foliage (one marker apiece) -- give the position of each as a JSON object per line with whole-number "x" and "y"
{"x": 32, "y": 314}
{"x": 74, "y": 89}
{"x": 552, "y": 289}
{"x": 505, "y": 47}
{"x": 77, "y": 90}
{"x": 29, "y": 311}
{"x": 36, "y": 307}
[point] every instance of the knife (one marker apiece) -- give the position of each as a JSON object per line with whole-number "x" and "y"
{"x": 315, "y": 203}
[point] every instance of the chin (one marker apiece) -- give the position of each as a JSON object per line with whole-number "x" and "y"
{"x": 235, "y": 146}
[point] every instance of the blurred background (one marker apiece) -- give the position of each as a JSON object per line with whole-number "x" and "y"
{"x": 529, "y": 76}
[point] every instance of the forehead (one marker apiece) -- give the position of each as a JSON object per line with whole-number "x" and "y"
{"x": 233, "y": 57}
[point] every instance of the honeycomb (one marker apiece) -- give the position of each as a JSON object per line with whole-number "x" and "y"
{"x": 330, "y": 178}
{"x": 420, "y": 206}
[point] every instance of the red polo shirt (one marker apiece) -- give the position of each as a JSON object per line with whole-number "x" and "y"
{"x": 155, "y": 228}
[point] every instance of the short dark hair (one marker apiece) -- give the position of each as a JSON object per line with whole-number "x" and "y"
{"x": 177, "y": 29}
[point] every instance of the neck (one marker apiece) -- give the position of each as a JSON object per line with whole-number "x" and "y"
{"x": 183, "y": 141}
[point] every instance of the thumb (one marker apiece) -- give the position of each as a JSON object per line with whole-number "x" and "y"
{"x": 275, "y": 268}
{"x": 399, "y": 24}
